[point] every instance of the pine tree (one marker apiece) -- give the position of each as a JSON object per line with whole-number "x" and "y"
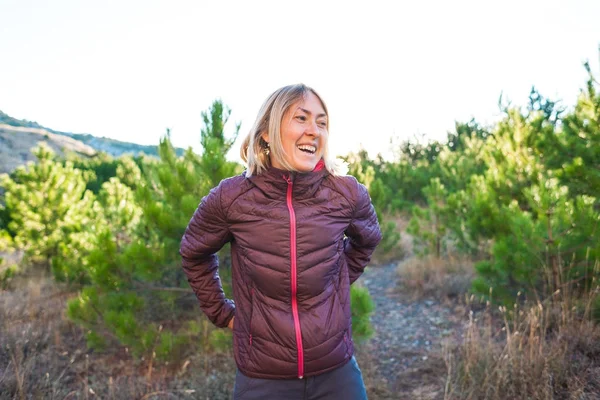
{"x": 509, "y": 165}
{"x": 458, "y": 164}
{"x": 116, "y": 216}
{"x": 429, "y": 224}
{"x": 7, "y": 269}
{"x": 573, "y": 152}
{"x": 465, "y": 133}
{"x": 362, "y": 307}
{"x": 363, "y": 169}
{"x": 553, "y": 242}
{"x": 138, "y": 295}
{"x": 46, "y": 202}
{"x": 102, "y": 165}
{"x": 215, "y": 145}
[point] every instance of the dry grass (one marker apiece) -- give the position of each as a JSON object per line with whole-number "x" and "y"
{"x": 30, "y": 324}
{"x": 44, "y": 356}
{"x": 547, "y": 350}
{"x": 541, "y": 351}
{"x": 431, "y": 276}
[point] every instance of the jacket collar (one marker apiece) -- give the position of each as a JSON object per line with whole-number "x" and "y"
{"x": 273, "y": 182}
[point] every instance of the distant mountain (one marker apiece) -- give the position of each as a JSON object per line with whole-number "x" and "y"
{"x": 101, "y": 144}
{"x": 8, "y": 120}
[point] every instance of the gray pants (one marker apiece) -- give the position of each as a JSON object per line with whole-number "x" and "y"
{"x": 344, "y": 383}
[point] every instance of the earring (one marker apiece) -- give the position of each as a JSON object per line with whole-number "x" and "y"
{"x": 267, "y": 150}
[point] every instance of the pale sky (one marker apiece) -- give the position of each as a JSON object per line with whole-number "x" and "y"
{"x": 130, "y": 69}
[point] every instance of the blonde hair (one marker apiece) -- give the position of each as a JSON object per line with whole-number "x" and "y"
{"x": 269, "y": 120}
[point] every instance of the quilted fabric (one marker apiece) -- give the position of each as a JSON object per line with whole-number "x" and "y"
{"x": 336, "y": 233}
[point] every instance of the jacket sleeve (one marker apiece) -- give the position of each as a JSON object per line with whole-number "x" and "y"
{"x": 362, "y": 235}
{"x": 204, "y": 236}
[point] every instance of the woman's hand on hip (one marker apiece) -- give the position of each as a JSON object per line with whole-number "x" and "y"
{"x": 230, "y": 324}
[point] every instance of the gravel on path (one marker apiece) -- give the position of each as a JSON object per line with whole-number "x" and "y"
{"x": 406, "y": 348}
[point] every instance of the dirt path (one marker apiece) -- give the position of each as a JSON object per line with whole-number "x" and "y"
{"x": 405, "y": 352}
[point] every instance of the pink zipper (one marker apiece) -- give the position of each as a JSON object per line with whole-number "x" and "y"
{"x": 294, "y": 278}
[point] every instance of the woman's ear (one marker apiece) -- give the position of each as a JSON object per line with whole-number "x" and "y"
{"x": 265, "y": 136}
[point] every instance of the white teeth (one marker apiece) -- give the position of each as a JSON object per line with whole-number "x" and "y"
{"x": 306, "y": 147}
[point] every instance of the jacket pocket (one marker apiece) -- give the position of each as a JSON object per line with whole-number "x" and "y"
{"x": 347, "y": 344}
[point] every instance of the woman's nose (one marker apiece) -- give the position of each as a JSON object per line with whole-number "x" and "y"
{"x": 313, "y": 129}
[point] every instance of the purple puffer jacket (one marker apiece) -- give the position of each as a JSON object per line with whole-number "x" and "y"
{"x": 298, "y": 240}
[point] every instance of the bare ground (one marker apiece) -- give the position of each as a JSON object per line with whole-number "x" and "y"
{"x": 404, "y": 357}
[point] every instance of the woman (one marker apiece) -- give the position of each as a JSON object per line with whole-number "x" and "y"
{"x": 300, "y": 236}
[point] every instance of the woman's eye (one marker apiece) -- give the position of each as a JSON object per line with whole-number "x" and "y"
{"x": 301, "y": 118}
{"x": 322, "y": 124}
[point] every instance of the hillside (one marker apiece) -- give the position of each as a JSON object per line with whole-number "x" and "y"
{"x": 18, "y": 136}
{"x": 16, "y": 143}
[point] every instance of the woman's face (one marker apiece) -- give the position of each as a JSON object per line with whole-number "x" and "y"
{"x": 303, "y": 134}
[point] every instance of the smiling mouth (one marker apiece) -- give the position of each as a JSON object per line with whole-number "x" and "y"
{"x": 305, "y": 148}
